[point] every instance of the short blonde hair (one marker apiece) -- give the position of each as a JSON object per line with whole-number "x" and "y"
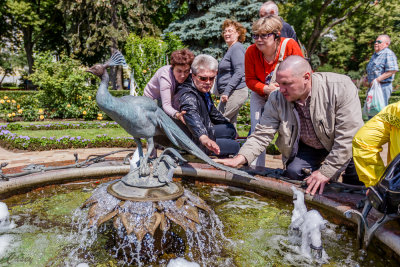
{"x": 267, "y": 24}
{"x": 239, "y": 28}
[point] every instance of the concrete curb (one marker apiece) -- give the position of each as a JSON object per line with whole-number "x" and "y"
{"x": 385, "y": 234}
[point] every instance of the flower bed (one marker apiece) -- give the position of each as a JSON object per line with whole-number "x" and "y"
{"x": 59, "y": 126}
{"x": 11, "y": 140}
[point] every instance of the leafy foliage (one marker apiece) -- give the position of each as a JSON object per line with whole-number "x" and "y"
{"x": 94, "y": 26}
{"x": 13, "y": 141}
{"x": 352, "y": 44}
{"x": 64, "y": 92}
{"x": 201, "y": 27}
{"x": 147, "y": 54}
{"x": 39, "y": 22}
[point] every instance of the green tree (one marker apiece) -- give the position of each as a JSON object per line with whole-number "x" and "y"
{"x": 10, "y": 61}
{"x": 314, "y": 19}
{"x": 39, "y": 23}
{"x": 147, "y": 54}
{"x": 200, "y": 28}
{"x": 351, "y": 45}
{"x": 96, "y": 26}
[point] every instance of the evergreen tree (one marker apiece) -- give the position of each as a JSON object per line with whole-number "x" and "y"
{"x": 201, "y": 29}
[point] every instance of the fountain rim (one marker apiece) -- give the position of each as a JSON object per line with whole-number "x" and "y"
{"x": 195, "y": 171}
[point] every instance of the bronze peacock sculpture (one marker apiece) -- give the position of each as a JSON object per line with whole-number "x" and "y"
{"x": 142, "y": 118}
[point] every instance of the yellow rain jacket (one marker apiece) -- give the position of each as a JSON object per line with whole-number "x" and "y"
{"x": 367, "y": 143}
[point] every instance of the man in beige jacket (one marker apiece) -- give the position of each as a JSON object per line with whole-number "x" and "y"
{"x": 316, "y": 116}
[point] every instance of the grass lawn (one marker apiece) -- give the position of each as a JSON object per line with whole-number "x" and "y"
{"x": 46, "y": 122}
{"x": 84, "y": 133}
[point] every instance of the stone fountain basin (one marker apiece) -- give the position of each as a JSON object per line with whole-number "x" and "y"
{"x": 335, "y": 203}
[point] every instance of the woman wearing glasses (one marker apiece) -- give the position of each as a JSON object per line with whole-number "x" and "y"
{"x": 230, "y": 80}
{"x": 162, "y": 85}
{"x": 261, "y": 59}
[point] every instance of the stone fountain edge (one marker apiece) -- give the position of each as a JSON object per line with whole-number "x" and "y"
{"x": 198, "y": 171}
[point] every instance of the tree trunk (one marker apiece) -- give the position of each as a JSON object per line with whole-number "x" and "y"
{"x": 116, "y": 81}
{"x": 28, "y": 46}
{"x": 120, "y": 78}
{"x": 2, "y": 79}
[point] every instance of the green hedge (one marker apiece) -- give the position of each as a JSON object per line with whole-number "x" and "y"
{"x": 18, "y": 94}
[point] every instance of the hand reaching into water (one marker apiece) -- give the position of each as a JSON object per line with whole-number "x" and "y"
{"x": 210, "y": 144}
{"x": 314, "y": 181}
{"x": 234, "y": 162}
{"x": 179, "y": 116}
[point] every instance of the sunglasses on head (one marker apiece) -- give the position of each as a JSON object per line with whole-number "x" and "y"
{"x": 378, "y": 41}
{"x": 205, "y": 79}
{"x": 262, "y": 36}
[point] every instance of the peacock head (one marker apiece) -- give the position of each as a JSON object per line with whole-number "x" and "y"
{"x": 97, "y": 70}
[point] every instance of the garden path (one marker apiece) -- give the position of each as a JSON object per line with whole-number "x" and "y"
{"x": 21, "y": 158}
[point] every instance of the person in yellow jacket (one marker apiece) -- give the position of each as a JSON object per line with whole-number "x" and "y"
{"x": 367, "y": 143}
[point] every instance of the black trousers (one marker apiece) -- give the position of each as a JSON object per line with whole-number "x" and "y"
{"x": 225, "y": 138}
{"x": 311, "y": 158}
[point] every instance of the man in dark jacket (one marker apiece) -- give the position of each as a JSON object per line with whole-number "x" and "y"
{"x": 270, "y": 8}
{"x": 207, "y": 127}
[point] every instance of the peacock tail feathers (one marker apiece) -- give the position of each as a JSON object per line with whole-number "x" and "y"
{"x": 117, "y": 59}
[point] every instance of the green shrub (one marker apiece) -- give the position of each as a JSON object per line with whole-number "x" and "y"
{"x": 63, "y": 89}
{"x": 146, "y": 55}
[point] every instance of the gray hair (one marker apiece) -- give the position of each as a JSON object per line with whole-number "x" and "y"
{"x": 270, "y": 7}
{"x": 386, "y": 37}
{"x": 204, "y": 62}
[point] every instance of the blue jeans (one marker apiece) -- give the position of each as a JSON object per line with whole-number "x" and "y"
{"x": 311, "y": 158}
{"x": 225, "y": 138}
{"x": 387, "y": 91}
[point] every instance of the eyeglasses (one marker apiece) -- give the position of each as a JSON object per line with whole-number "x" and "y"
{"x": 262, "y": 36}
{"x": 205, "y": 79}
{"x": 228, "y": 31}
{"x": 378, "y": 42}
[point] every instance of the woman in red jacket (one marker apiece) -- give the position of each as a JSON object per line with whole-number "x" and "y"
{"x": 261, "y": 59}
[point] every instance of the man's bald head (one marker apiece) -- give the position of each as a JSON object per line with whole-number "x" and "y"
{"x": 381, "y": 42}
{"x": 385, "y": 38}
{"x": 297, "y": 64}
{"x": 294, "y": 78}
{"x": 268, "y": 8}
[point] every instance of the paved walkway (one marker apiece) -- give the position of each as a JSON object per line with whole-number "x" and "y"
{"x": 21, "y": 158}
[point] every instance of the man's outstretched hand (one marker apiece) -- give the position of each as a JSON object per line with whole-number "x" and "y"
{"x": 233, "y": 162}
{"x": 210, "y": 144}
{"x": 314, "y": 181}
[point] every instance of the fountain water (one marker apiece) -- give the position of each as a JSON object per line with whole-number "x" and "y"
{"x": 308, "y": 224}
{"x": 255, "y": 228}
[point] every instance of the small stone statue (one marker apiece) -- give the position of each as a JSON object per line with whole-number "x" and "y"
{"x": 308, "y": 224}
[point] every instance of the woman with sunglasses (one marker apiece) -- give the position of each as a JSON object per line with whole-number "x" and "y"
{"x": 230, "y": 82}
{"x": 162, "y": 85}
{"x": 261, "y": 60}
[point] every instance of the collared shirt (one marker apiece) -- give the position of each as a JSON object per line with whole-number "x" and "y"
{"x": 307, "y": 132}
{"x": 209, "y": 101}
{"x": 381, "y": 62}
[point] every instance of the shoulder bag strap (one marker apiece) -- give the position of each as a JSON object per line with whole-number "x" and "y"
{"x": 280, "y": 59}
